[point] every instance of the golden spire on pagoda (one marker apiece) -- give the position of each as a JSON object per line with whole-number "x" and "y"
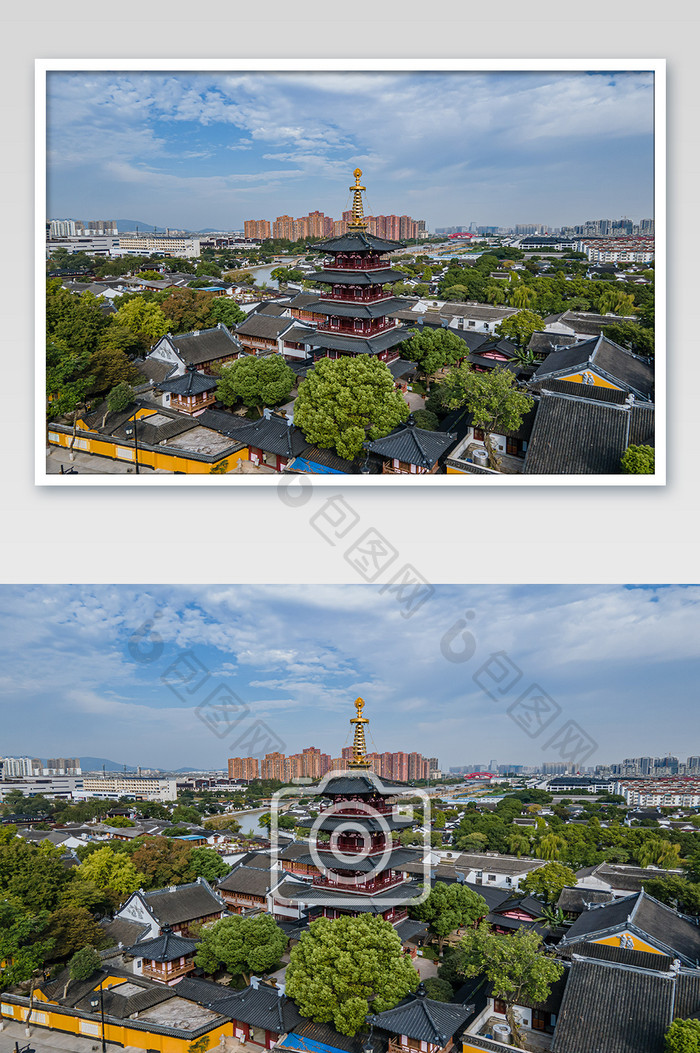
{"x": 357, "y": 221}
{"x": 359, "y": 747}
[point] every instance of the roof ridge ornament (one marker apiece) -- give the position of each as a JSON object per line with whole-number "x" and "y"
{"x": 357, "y": 220}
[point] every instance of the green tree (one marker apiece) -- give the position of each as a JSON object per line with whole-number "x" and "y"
{"x": 207, "y": 863}
{"x": 120, "y": 397}
{"x": 256, "y": 382}
{"x": 683, "y": 1036}
{"x": 520, "y": 327}
{"x": 515, "y": 964}
{"x": 226, "y": 311}
{"x": 347, "y": 400}
{"x": 518, "y": 844}
{"x": 109, "y": 365}
{"x": 186, "y": 310}
{"x": 144, "y": 318}
{"x": 676, "y": 892}
{"x": 660, "y": 853}
{"x": 432, "y": 349}
{"x": 438, "y": 989}
{"x": 72, "y": 928}
{"x": 341, "y": 970}
{"x": 449, "y": 907}
{"x": 111, "y": 871}
{"x": 84, "y": 963}
{"x": 425, "y": 419}
{"x": 548, "y": 881}
{"x": 493, "y": 400}
{"x": 633, "y": 336}
{"x": 638, "y": 460}
{"x": 67, "y": 379}
{"x": 24, "y": 942}
{"x": 243, "y": 946}
{"x": 163, "y": 861}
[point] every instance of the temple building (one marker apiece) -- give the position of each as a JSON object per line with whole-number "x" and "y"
{"x": 355, "y": 863}
{"x": 357, "y": 306}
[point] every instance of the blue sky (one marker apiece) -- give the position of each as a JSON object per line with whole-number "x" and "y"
{"x": 82, "y": 675}
{"x": 201, "y": 150}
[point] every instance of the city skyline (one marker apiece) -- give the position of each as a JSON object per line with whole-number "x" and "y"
{"x": 83, "y": 662}
{"x": 208, "y": 150}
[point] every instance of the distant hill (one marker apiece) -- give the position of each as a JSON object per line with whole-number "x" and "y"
{"x": 96, "y": 763}
{"x": 131, "y": 224}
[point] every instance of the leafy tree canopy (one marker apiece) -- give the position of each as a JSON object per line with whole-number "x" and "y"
{"x": 515, "y": 964}
{"x": 84, "y": 963}
{"x": 343, "y": 969}
{"x": 120, "y": 397}
{"x": 256, "y": 382}
{"x": 638, "y": 460}
{"x": 347, "y": 400}
{"x": 683, "y": 1036}
{"x": 24, "y": 942}
{"x": 549, "y": 880}
{"x": 243, "y": 946}
{"x": 520, "y": 327}
{"x": 492, "y": 398}
{"x": 432, "y": 349}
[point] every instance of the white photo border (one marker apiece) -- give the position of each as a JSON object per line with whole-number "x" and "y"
{"x": 656, "y": 66}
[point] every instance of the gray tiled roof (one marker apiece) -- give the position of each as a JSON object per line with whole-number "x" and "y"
{"x": 262, "y": 1007}
{"x": 576, "y": 436}
{"x": 357, "y": 242}
{"x": 249, "y": 881}
{"x": 123, "y": 931}
{"x": 424, "y": 1019}
{"x": 412, "y": 445}
{"x": 359, "y": 309}
{"x": 338, "y": 277}
{"x": 191, "y": 383}
{"x": 592, "y": 392}
{"x": 575, "y": 900}
{"x": 183, "y": 903}
{"x": 641, "y": 913}
{"x": 605, "y": 952}
{"x": 164, "y": 948}
{"x": 396, "y": 860}
{"x": 360, "y": 346}
{"x": 615, "y": 362}
{"x": 206, "y": 345}
{"x": 263, "y": 326}
{"x": 614, "y": 1009}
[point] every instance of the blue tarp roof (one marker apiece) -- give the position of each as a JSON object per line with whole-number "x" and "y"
{"x": 302, "y": 465}
{"x": 299, "y": 1042}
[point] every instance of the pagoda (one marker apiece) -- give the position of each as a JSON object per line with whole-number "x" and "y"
{"x": 355, "y": 862}
{"x": 359, "y": 298}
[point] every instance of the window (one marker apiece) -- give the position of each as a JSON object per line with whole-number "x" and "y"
{"x": 491, "y": 877}
{"x": 499, "y": 1006}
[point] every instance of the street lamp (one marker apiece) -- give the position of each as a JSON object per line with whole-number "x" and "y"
{"x": 132, "y": 429}
{"x": 94, "y": 1002}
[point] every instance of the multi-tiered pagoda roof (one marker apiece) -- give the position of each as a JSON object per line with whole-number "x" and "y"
{"x": 357, "y": 306}
{"x": 355, "y": 862}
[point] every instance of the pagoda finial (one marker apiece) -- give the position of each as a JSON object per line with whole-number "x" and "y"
{"x": 359, "y": 747}
{"x": 357, "y": 221}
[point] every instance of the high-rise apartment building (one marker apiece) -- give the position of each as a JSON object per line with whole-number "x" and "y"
{"x": 283, "y": 227}
{"x": 273, "y": 766}
{"x": 256, "y": 229}
{"x": 247, "y": 768}
{"x": 17, "y": 767}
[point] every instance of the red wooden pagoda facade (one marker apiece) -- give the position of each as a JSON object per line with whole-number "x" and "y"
{"x": 355, "y": 860}
{"x": 360, "y": 297}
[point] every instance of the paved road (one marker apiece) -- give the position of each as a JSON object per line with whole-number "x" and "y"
{"x": 88, "y": 463}
{"x": 44, "y": 1041}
